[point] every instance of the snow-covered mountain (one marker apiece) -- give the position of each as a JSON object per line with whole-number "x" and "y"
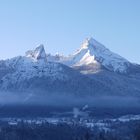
{"x": 105, "y": 73}
{"x": 34, "y": 73}
{"x": 94, "y": 56}
{"x": 33, "y": 64}
{"x": 97, "y": 55}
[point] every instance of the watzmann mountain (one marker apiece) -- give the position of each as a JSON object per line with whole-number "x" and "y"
{"x": 93, "y": 70}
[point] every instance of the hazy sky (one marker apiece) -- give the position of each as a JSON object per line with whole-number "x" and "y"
{"x": 62, "y": 25}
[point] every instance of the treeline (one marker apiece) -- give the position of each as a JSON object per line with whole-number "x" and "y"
{"x": 46, "y": 131}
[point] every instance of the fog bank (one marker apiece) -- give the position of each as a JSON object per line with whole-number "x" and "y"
{"x": 67, "y": 100}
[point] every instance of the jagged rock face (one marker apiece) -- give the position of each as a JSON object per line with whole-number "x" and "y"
{"x": 37, "y": 54}
{"x": 55, "y": 58}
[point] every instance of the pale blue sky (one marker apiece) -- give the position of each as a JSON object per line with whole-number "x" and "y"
{"x": 62, "y": 25}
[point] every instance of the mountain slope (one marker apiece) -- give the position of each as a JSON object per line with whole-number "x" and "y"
{"x": 33, "y": 73}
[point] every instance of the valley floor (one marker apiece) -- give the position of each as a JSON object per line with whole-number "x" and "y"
{"x": 84, "y": 123}
{"x": 122, "y": 128}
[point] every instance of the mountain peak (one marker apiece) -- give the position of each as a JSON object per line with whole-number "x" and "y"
{"x": 91, "y": 43}
{"x": 90, "y": 40}
{"x": 38, "y": 53}
{"x": 94, "y": 53}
